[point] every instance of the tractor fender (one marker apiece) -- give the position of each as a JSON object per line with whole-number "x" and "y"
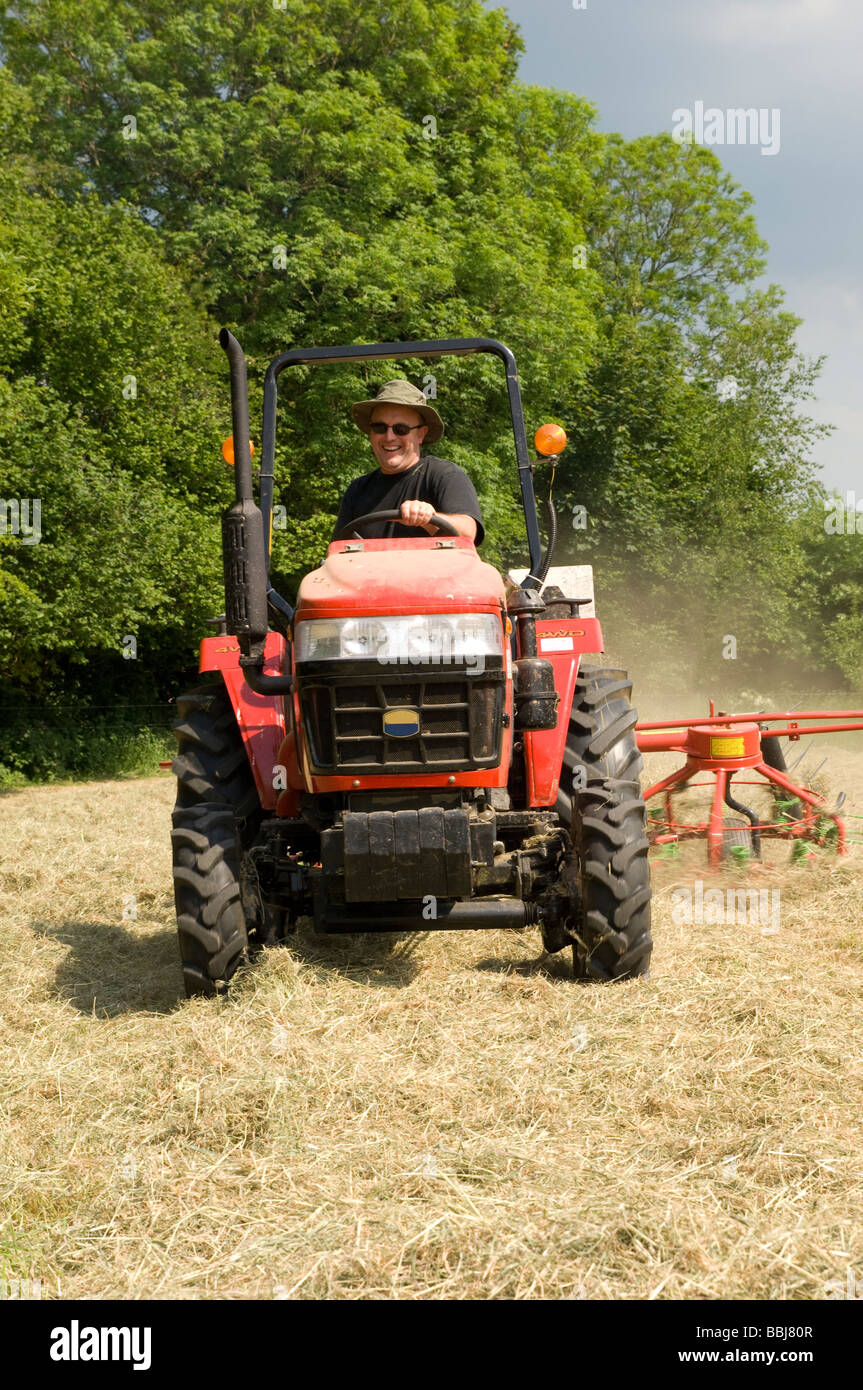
{"x": 260, "y": 718}
{"x": 563, "y": 642}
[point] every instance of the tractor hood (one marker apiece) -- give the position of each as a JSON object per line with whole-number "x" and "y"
{"x": 400, "y": 576}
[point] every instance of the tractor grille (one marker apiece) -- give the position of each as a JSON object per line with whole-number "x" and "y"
{"x": 460, "y": 720}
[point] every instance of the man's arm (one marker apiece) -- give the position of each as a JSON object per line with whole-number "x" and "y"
{"x": 417, "y": 514}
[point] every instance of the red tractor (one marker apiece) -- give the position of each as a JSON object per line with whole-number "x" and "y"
{"x": 414, "y": 746}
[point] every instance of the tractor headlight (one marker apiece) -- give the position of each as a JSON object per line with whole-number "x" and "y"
{"x": 422, "y": 639}
{"x": 362, "y": 637}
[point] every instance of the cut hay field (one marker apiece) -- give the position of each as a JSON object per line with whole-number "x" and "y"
{"x": 442, "y": 1116}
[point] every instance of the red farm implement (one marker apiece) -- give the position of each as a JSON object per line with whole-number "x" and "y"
{"x": 724, "y": 745}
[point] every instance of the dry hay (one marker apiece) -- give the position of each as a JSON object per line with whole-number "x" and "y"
{"x": 444, "y": 1116}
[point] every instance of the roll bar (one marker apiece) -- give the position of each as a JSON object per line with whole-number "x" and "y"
{"x": 430, "y": 348}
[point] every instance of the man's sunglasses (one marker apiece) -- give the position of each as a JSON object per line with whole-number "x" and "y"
{"x": 401, "y": 430}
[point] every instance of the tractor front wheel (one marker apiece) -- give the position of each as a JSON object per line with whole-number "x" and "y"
{"x": 215, "y": 819}
{"x": 608, "y": 868}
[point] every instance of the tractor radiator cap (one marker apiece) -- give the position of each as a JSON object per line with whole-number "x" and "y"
{"x": 525, "y": 602}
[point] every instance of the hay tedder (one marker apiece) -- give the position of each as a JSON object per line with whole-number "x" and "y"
{"x": 414, "y": 745}
{"x": 721, "y": 746}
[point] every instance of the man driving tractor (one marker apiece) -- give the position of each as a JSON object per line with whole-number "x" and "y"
{"x": 398, "y": 422}
{"x": 499, "y": 784}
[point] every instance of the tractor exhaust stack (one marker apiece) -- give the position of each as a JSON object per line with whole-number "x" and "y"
{"x": 243, "y": 554}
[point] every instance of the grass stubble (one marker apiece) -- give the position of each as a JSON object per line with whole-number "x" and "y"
{"x": 431, "y": 1116}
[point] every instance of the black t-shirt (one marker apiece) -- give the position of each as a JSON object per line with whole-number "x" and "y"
{"x": 446, "y": 486}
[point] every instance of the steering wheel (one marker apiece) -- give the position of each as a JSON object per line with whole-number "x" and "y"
{"x": 350, "y": 531}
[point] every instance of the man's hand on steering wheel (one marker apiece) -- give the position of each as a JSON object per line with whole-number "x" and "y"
{"x": 352, "y": 530}
{"x": 414, "y": 513}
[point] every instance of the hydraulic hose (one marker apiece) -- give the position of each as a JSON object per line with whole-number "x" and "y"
{"x": 551, "y": 514}
{"x": 750, "y": 815}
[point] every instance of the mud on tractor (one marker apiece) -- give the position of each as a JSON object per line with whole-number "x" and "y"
{"x": 415, "y": 745}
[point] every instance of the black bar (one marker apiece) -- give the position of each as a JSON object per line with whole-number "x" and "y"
{"x": 662, "y": 1335}
{"x": 265, "y": 685}
{"x": 239, "y": 416}
{"x": 268, "y": 449}
{"x": 492, "y": 914}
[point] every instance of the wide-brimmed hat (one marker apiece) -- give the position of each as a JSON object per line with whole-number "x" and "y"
{"x": 400, "y": 392}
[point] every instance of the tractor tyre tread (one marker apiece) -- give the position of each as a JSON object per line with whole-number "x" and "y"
{"x": 607, "y": 737}
{"x": 210, "y": 921}
{"x": 622, "y": 859}
{"x": 607, "y": 819}
{"x": 215, "y": 814}
{"x": 595, "y": 694}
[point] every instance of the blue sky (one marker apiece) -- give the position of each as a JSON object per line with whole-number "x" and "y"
{"x": 638, "y": 61}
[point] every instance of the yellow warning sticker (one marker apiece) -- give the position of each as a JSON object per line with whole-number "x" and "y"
{"x": 727, "y": 747}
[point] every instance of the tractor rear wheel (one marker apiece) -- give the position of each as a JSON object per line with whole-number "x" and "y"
{"x": 600, "y": 801}
{"x": 215, "y": 819}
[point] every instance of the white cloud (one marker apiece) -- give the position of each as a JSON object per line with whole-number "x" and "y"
{"x": 829, "y": 305}
{"x": 832, "y": 314}
{"x": 771, "y": 22}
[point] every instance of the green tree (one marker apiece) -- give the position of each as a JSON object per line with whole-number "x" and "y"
{"x": 674, "y": 233}
{"x": 335, "y": 173}
{"x": 691, "y": 448}
{"x": 329, "y": 172}
{"x": 831, "y": 598}
{"x": 108, "y": 417}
